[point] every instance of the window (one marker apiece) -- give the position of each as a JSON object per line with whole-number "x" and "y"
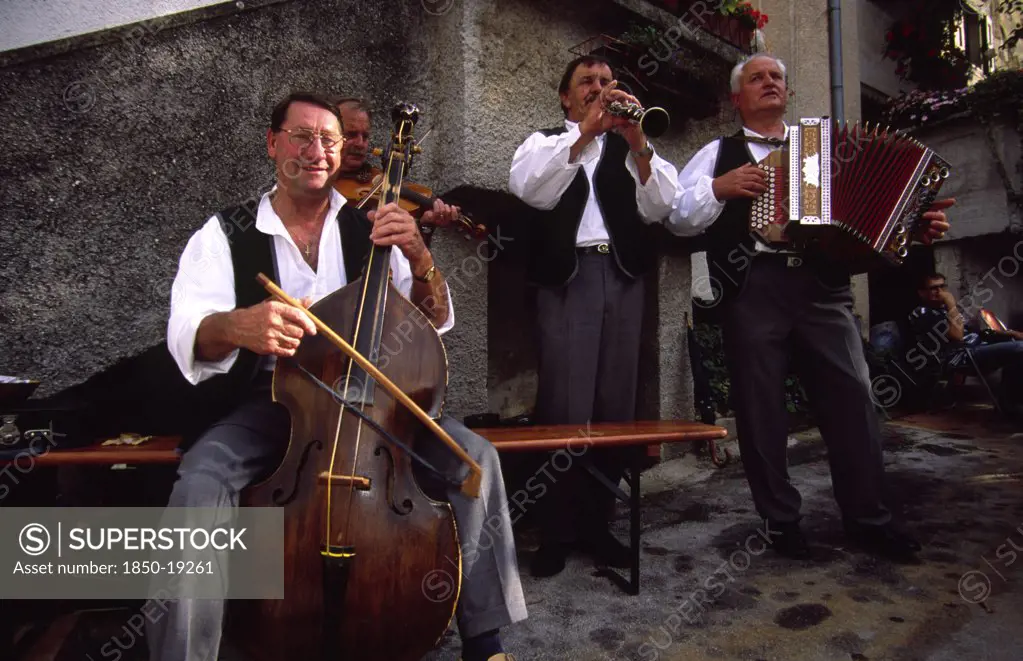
{"x": 975, "y": 40}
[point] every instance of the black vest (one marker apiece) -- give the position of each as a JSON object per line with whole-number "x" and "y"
{"x": 553, "y": 260}
{"x": 731, "y": 246}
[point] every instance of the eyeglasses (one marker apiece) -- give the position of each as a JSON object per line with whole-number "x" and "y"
{"x": 303, "y": 138}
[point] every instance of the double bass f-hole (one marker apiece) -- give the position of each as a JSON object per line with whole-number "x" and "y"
{"x": 361, "y": 535}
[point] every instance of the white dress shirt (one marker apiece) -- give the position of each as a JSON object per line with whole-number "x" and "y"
{"x": 204, "y": 283}
{"x": 696, "y": 207}
{"x": 541, "y": 173}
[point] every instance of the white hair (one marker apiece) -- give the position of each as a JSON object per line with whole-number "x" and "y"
{"x": 737, "y": 69}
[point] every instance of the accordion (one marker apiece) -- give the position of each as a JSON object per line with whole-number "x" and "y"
{"x": 846, "y": 193}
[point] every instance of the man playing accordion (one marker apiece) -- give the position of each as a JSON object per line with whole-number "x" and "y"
{"x": 775, "y": 303}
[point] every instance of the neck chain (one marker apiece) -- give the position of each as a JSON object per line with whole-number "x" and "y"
{"x": 308, "y": 249}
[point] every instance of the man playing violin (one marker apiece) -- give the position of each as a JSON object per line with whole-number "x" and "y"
{"x": 218, "y": 320}
{"x": 597, "y": 186}
{"x": 357, "y": 121}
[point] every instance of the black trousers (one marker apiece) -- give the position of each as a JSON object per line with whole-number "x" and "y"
{"x": 588, "y": 345}
{"x": 794, "y": 313}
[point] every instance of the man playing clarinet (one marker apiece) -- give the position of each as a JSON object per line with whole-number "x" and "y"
{"x": 597, "y": 185}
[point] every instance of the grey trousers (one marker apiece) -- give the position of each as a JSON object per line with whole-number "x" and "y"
{"x": 588, "y": 349}
{"x": 245, "y": 447}
{"x": 790, "y": 312}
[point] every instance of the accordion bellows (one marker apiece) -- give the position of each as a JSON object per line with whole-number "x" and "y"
{"x": 847, "y": 193}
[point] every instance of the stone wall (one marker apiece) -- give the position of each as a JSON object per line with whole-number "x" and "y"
{"x": 979, "y": 161}
{"x": 119, "y": 150}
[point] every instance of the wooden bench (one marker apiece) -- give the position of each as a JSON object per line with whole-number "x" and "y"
{"x": 573, "y": 439}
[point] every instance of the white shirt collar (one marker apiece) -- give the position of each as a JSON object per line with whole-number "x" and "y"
{"x": 268, "y": 222}
{"x": 754, "y": 134}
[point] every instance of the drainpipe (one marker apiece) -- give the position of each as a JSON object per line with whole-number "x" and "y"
{"x": 835, "y": 59}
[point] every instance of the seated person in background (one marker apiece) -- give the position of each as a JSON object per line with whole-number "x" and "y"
{"x": 939, "y": 329}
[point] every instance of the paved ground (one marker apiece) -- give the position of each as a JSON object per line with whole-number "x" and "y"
{"x": 709, "y": 591}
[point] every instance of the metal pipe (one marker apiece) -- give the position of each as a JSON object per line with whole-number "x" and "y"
{"x": 835, "y": 59}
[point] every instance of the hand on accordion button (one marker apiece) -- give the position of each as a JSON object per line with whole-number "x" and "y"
{"x": 746, "y": 181}
{"x": 934, "y": 222}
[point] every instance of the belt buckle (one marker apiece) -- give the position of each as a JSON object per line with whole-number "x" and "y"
{"x": 603, "y": 248}
{"x": 793, "y": 262}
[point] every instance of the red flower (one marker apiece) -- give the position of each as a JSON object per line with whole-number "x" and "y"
{"x": 889, "y": 35}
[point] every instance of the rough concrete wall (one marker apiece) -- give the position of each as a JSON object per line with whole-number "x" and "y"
{"x": 442, "y": 44}
{"x": 31, "y": 22}
{"x": 106, "y": 179}
{"x": 874, "y": 19}
{"x": 982, "y": 205}
{"x": 985, "y": 272}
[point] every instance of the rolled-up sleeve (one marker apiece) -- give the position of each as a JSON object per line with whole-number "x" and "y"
{"x": 695, "y": 206}
{"x": 541, "y": 170}
{"x": 401, "y": 277}
{"x": 204, "y": 284}
{"x": 656, "y": 197}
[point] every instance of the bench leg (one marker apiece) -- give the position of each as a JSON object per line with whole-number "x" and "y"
{"x": 632, "y": 473}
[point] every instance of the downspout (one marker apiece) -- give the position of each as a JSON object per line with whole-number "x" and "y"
{"x": 835, "y": 59}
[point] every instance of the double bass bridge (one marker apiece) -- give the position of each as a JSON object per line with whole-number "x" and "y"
{"x": 360, "y": 483}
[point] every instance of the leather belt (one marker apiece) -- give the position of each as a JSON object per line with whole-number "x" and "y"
{"x": 788, "y": 259}
{"x": 599, "y": 249}
{"x": 832, "y": 275}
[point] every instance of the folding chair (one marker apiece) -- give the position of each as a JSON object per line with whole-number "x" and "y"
{"x": 962, "y": 363}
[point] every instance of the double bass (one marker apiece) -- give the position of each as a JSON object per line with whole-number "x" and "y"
{"x": 372, "y": 566}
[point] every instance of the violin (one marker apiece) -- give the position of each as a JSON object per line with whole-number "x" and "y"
{"x": 361, "y": 189}
{"x": 362, "y": 541}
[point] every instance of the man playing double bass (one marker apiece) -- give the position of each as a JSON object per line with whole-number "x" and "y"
{"x": 218, "y": 316}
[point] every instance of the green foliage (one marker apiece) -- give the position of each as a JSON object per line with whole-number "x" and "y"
{"x": 1000, "y": 94}
{"x": 708, "y": 336}
{"x": 641, "y": 35}
{"x": 922, "y": 42}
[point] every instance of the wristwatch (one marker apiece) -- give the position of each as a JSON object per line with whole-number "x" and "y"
{"x": 428, "y": 276}
{"x": 645, "y": 152}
